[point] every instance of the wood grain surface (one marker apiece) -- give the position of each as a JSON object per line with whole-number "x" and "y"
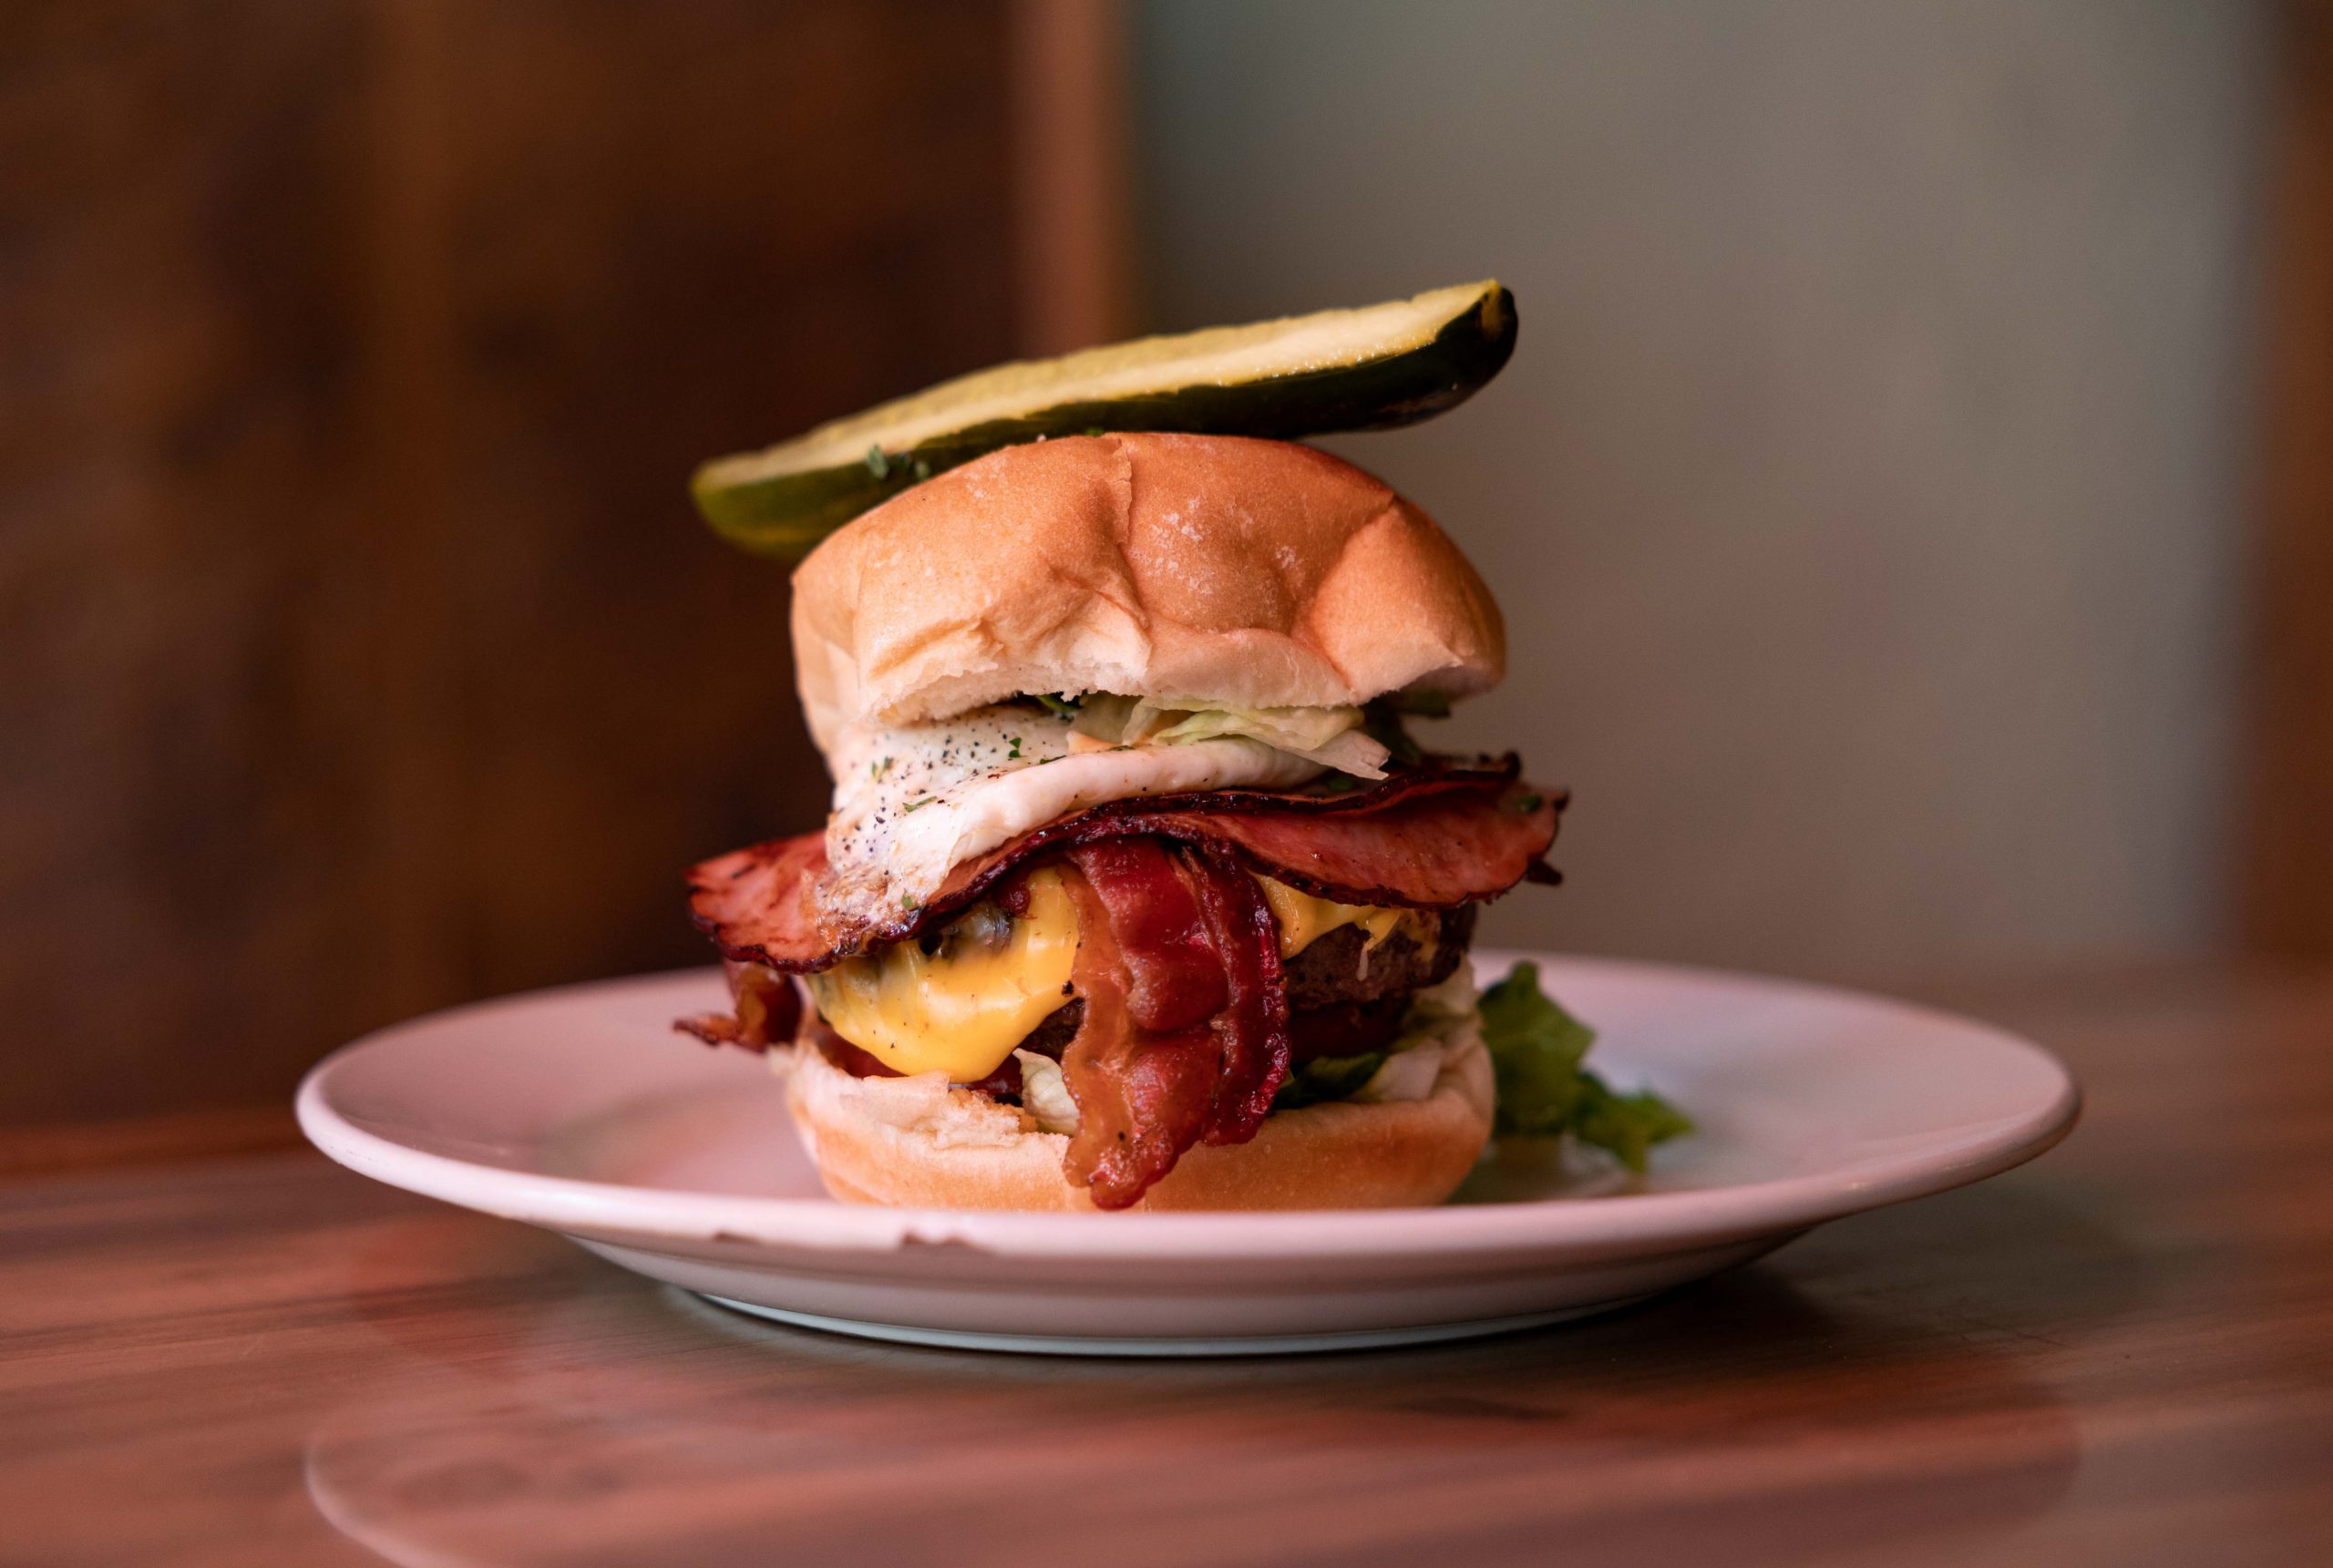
{"x": 359, "y": 648}
{"x": 2122, "y": 1354}
{"x": 2287, "y": 882}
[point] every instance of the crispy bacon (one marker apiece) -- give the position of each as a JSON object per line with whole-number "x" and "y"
{"x": 1141, "y": 1069}
{"x": 1184, "y": 1031}
{"x": 1174, "y": 978}
{"x": 1431, "y": 839}
{"x": 1252, "y": 1027}
{"x": 767, "y": 1010}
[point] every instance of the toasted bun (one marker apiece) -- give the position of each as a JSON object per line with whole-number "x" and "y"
{"x": 1219, "y": 569}
{"x": 915, "y": 1143}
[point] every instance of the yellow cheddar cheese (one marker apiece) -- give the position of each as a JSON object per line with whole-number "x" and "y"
{"x": 1304, "y": 919}
{"x": 960, "y": 1010}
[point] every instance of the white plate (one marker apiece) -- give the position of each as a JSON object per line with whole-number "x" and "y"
{"x": 580, "y": 1110}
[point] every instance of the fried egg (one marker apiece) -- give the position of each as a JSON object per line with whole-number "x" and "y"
{"x": 912, "y": 803}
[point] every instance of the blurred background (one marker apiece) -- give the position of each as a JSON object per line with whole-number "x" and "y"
{"x": 1912, "y": 499}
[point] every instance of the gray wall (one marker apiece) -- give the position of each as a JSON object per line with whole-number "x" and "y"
{"x": 1865, "y": 496}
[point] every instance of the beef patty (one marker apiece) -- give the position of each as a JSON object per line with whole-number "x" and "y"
{"x": 1342, "y": 968}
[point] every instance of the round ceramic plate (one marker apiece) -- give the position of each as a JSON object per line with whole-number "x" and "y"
{"x": 581, "y": 1110}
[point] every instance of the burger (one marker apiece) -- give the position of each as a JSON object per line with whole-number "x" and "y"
{"x": 1137, "y": 892}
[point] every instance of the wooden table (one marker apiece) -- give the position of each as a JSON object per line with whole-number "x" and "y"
{"x": 2120, "y": 1355}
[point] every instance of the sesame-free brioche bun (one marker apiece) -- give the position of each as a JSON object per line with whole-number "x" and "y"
{"x": 1214, "y": 569}
{"x": 916, "y": 1142}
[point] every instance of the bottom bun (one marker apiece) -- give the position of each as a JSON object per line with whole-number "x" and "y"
{"x": 916, "y": 1142}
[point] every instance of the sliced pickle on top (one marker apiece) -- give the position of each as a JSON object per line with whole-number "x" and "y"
{"x": 1365, "y": 369}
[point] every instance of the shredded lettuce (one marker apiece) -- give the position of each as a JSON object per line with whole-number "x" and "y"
{"x": 1543, "y": 1091}
{"x": 1333, "y": 737}
{"x": 1406, "y": 1075}
{"x": 1290, "y": 729}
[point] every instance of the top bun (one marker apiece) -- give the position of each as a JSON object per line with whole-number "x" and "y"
{"x": 1215, "y": 570}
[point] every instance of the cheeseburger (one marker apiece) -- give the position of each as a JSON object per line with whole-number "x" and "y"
{"x": 1128, "y": 836}
{"x": 1137, "y": 891}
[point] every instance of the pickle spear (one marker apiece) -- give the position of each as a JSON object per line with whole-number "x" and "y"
{"x": 1365, "y": 369}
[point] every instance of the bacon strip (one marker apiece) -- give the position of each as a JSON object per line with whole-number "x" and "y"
{"x": 1142, "y": 1070}
{"x": 1185, "y": 1034}
{"x": 1174, "y": 979}
{"x": 767, "y": 1010}
{"x": 1252, "y": 1027}
{"x": 1429, "y": 841}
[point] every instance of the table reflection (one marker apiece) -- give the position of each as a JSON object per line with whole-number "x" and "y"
{"x": 636, "y": 1423}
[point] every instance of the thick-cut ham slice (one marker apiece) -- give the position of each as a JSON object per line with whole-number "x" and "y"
{"x": 1431, "y": 839}
{"x": 750, "y": 903}
{"x": 1429, "y": 854}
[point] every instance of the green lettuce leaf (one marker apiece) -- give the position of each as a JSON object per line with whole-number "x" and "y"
{"x": 1535, "y": 1049}
{"x": 1543, "y": 1091}
{"x": 1627, "y": 1125}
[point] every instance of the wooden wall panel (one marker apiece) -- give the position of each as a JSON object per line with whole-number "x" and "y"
{"x": 358, "y": 650}
{"x": 2287, "y": 904}
{"x": 1072, "y": 155}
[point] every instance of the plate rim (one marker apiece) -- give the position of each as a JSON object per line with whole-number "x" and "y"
{"x": 1630, "y": 1222}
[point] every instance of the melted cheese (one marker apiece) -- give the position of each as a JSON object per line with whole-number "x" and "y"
{"x": 1303, "y": 919}
{"x": 960, "y": 1010}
